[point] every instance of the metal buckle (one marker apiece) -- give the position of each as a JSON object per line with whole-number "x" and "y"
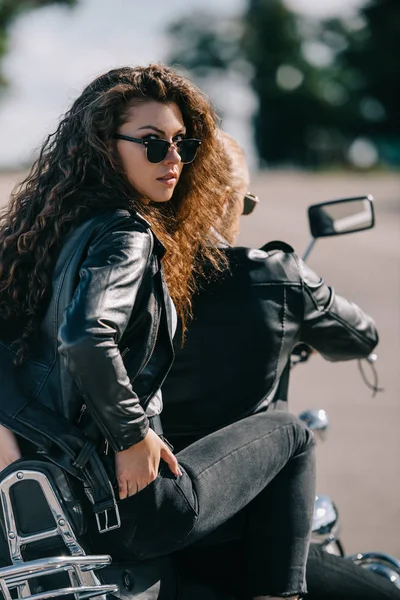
{"x": 108, "y": 527}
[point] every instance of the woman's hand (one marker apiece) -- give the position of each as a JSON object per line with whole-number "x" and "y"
{"x": 9, "y": 449}
{"x": 138, "y": 466}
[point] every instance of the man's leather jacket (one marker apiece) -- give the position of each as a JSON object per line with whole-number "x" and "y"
{"x": 105, "y": 340}
{"x": 245, "y": 327}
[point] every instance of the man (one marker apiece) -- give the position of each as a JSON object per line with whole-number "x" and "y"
{"x": 233, "y": 364}
{"x": 247, "y": 322}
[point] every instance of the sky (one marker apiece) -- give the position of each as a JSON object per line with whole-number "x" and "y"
{"x": 55, "y": 51}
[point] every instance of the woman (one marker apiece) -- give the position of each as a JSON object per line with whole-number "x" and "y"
{"x": 194, "y": 406}
{"x": 87, "y": 316}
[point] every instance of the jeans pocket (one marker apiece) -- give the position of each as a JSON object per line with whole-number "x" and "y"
{"x": 157, "y": 519}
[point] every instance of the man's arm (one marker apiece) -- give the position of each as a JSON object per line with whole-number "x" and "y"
{"x": 335, "y": 327}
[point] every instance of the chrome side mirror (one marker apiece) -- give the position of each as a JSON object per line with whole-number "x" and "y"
{"x": 317, "y": 420}
{"x": 337, "y": 217}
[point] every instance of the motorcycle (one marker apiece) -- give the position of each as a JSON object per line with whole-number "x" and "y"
{"x": 326, "y": 522}
{"x": 46, "y": 554}
{"x": 329, "y": 219}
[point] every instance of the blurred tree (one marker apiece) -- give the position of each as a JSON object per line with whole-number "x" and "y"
{"x": 9, "y": 10}
{"x": 370, "y": 67}
{"x": 205, "y": 45}
{"x": 319, "y": 86}
{"x": 294, "y": 120}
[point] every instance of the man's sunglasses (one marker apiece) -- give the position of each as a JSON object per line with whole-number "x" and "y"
{"x": 157, "y": 150}
{"x": 250, "y": 201}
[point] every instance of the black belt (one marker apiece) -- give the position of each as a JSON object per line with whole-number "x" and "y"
{"x": 155, "y": 424}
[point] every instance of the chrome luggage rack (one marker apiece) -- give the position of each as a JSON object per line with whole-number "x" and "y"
{"x": 18, "y": 579}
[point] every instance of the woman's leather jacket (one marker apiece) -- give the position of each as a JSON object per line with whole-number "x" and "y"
{"x": 244, "y": 329}
{"x": 105, "y": 340}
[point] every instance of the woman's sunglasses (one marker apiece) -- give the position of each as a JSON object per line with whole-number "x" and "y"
{"x": 250, "y": 201}
{"x": 157, "y": 150}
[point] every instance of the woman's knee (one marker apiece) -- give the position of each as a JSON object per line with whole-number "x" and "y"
{"x": 302, "y": 437}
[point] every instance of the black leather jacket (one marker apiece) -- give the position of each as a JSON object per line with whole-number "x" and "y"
{"x": 245, "y": 327}
{"x": 105, "y": 340}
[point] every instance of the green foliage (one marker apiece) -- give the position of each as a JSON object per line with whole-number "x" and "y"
{"x": 371, "y": 64}
{"x": 319, "y": 86}
{"x": 203, "y": 45}
{"x": 10, "y": 10}
{"x": 292, "y": 111}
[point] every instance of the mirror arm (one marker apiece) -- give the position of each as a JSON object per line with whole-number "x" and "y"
{"x": 309, "y": 248}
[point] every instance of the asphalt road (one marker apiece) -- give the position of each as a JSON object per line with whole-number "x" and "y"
{"x": 359, "y": 464}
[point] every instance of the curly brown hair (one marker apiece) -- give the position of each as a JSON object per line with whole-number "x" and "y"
{"x": 228, "y": 225}
{"x": 79, "y": 171}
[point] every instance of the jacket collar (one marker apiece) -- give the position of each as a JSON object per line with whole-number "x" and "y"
{"x": 158, "y": 245}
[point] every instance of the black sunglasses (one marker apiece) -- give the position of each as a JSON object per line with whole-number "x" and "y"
{"x": 157, "y": 150}
{"x": 250, "y": 201}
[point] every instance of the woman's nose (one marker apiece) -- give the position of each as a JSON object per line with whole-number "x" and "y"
{"x": 173, "y": 155}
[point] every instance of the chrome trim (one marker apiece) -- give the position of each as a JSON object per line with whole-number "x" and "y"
{"x": 332, "y": 547}
{"x": 84, "y": 582}
{"x": 54, "y": 564}
{"x": 80, "y": 592}
{"x": 382, "y": 564}
{"x": 325, "y": 524}
{"x": 372, "y": 358}
{"x": 13, "y": 576}
{"x": 107, "y": 527}
{"x": 364, "y": 557}
{"x": 62, "y": 527}
{"x": 317, "y": 420}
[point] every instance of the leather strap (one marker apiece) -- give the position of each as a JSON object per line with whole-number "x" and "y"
{"x": 65, "y": 445}
{"x": 156, "y": 425}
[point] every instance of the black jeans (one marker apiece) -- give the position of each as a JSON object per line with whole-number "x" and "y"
{"x": 253, "y": 481}
{"x": 328, "y": 577}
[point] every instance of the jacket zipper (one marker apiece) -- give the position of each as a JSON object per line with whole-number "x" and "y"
{"x": 163, "y": 378}
{"x": 158, "y": 314}
{"x": 83, "y": 409}
{"x": 152, "y": 347}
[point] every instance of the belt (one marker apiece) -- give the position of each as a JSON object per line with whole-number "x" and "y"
{"x": 155, "y": 424}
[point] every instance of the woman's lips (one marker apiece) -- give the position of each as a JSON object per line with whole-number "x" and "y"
{"x": 167, "y": 179}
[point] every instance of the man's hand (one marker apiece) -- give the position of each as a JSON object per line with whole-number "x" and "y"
{"x": 138, "y": 466}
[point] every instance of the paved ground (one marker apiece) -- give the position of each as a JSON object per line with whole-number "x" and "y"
{"x": 359, "y": 464}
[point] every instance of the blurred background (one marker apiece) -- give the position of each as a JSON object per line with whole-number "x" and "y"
{"x": 311, "y": 91}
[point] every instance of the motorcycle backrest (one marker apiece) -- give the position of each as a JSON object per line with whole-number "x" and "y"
{"x": 41, "y": 518}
